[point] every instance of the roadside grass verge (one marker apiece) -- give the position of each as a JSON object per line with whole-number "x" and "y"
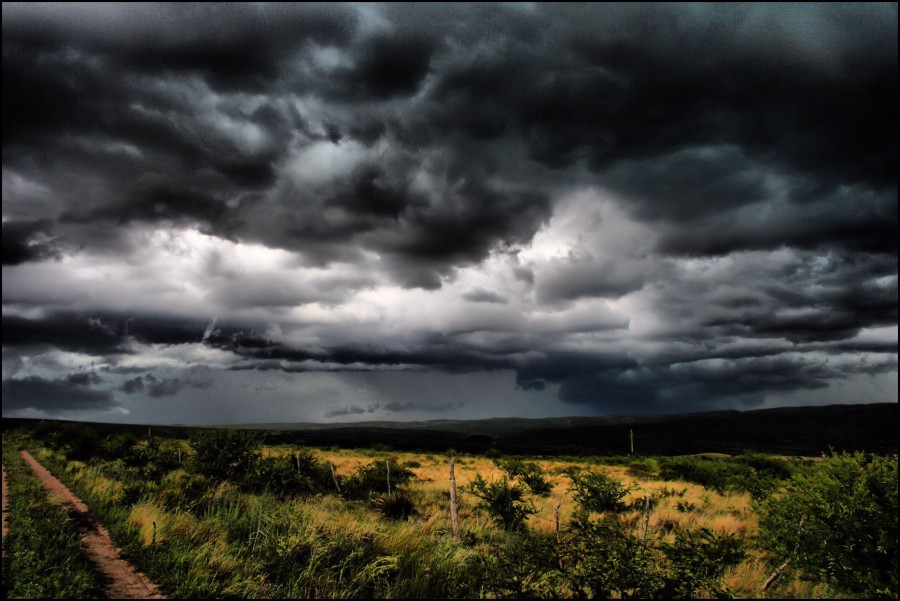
{"x": 44, "y": 556}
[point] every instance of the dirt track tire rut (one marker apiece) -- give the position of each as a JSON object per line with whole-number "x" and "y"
{"x": 124, "y": 581}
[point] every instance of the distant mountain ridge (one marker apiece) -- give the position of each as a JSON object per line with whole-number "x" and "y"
{"x": 809, "y": 431}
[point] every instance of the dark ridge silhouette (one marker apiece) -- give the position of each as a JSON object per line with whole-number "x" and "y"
{"x": 808, "y": 431}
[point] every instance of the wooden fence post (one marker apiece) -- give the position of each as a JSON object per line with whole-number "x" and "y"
{"x": 556, "y": 514}
{"x": 334, "y": 477}
{"x": 646, "y": 519}
{"x": 454, "y": 513}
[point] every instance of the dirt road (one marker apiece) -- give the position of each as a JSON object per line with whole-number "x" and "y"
{"x": 125, "y": 581}
{"x": 5, "y": 506}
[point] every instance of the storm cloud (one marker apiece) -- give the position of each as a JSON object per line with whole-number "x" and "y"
{"x": 619, "y": 208}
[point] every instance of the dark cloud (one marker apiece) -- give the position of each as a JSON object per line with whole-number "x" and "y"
{"x": 195, "y": 377}
{"x": 98, "y": 333}
{"x": 63, "y": 331}
{"x": 25, "y": 241}
{"x": 72, "y": 393}
{"x": 392, "y": 407}
{"x": 133, "y": 385}
{"x": 586, "y": 276}
{"x": 735, "y": 165}
{"x": 482, "y": 295}
{"x": 386, "y": 65}
{"x": 689, "y": 184}
{"x": 346, "y": 410}
{"x": 698, "y": 386}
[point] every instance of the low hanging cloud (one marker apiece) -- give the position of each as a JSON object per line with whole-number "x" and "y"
{"x": 196, "y": 377}
{"x": 72, "y": 393}
{"x": 381, "y": 408}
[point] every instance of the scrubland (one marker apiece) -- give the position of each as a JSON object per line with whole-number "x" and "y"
{"x": 223, "y": 516}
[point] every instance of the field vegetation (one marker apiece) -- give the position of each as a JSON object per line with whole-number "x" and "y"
{"x": 42, "y": 554}
{"x": 222, "y": 515}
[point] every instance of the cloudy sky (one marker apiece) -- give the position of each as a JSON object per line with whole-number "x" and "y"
{"x": 271, "y": 213}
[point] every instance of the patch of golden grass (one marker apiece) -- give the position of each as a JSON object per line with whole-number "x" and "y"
{"x": 728, "y": 524}
{"x": 143, "y": 516}
{"x": 731, "y": 513}
{"x": 181, "y": 524}
{"x": 74, "y": 466}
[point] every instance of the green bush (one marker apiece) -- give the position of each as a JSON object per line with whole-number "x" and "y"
{"x": 643, "y": 468}
{"x": 605, "y": 558}
{"x": 297, "y": 474}
{"x": 395, "y": 506}
{"x": 528, "y": 473}
{"x": 696, "y": 562}
{"x": 225, "y": 454}
{"x": 373, "y": 479}
{"x": 837, "y": 523}
{"x": 595, "y": 491}
{"x": 506, "y": 503}
{"x": 756, "y": 474}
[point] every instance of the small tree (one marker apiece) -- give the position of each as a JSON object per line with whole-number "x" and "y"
{"x": 373, "y": 478}
{"x": 595, "y": 491}
{"x": 528, "y": 473}
{"x": 697, "y": 561}
{"x": 226, "y": 454}
{"x": 506, "y": 503}
{"x": 299, "y": 473}
{"x": 837, "y": 523}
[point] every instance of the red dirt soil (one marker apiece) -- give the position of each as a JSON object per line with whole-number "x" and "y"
{"x": 5, "y": 506}
{"x": 125, "y": 581}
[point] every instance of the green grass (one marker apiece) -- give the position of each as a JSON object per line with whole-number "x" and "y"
{"x": 43, "y": 548}
{"x": 237, "y": 539}
{"x": 248, "y": 545}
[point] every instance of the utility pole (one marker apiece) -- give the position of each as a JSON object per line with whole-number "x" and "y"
{"x": 631, "y": 441}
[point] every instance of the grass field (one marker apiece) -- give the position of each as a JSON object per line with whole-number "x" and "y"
{"x": 200, "y": 536}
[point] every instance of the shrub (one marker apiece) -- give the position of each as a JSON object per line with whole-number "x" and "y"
{"x": 595, "y": 491}
{"x": 373, "y": 478}
{"x": 529, "y": 473}
{"x": 225, "y": 454}
{"x": 697, "y": 560}
{"x": 606, "y": 558}
{"x": 506, "y": 503}
{"x": 297, "y": 474}
{"x": 647, "y": 468}
{"x": 396, "y": 505}
{"x": 756, "y": 474}
{"x": 847, "y": 505}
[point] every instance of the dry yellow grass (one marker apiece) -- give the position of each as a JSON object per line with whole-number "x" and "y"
{"x": 143, "y": 516}
{"x": 678, "y": 504}
{"x": 730, "y": 513}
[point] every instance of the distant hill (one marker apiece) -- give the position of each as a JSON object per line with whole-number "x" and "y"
{"x": 807, "y": 431}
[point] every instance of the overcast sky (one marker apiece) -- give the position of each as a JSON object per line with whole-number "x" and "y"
{"x": 274, "y": 213}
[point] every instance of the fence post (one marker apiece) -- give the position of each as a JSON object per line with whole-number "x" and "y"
{"x": 454, "y": 513}
{"x": 646, "y": 519}
{"x": 334, "y": 477}
{"x": 556, "y": 514}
